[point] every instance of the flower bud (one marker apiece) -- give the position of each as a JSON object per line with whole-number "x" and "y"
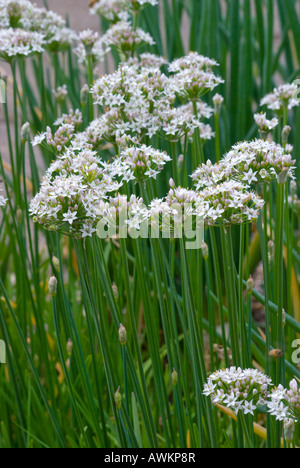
{"x": 19, "y": 214}
{"x": 25, "y": 132}
{"x": 180, "y": 162}
{"x": 171, "y": 183}
{"x": 52, "y": 286}
{"x": 285, "y": 134}
{"x": 250, "y": 285}
{"x": 205, "y": 250}
{"x": 218, "y": 101}
{"x": 282, "y": 177}
{"x": 289, "y": 429}
{"x": 174, "y": 378}
{"x": 122, "y": 335}
{"x": 69, "y": 347}
{"x": 276, "y": 353}
{"x": 84, "y": 95}
{"x": 56, "y": 263}
{"x": 293, "y": 188}
{"x": 118, "y": 399}
{"x": 115, "y": 291}
{"x": 283, "y": 318}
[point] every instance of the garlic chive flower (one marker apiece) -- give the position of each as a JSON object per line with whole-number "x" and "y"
{"x": 111, "y": 10}
{"x": 228, "y": 203}
{"x": 120, "y": 214}
{"x": 176, "y": 213}
{"x": 283, "y": 97}
{"x": 115, "y": 10}
{"x": 18, "y": 43}
{"x": 73, "y": 118}
{"x": 259, "y": 161}
{"x": 285, "y": 403}
{"x": 142, "y": 163}
{"x": 58, "y": 142}
{"x": 70, "y": 193}
{"x": 237, "y": 389}
{"x": 193, "y": 76}
{"x": 265, "y": 126}
{"x": 125, "y": 39}
{"x": 24, "y": 16}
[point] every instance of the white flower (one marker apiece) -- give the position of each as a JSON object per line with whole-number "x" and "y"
{"x": 71, "y": 191}
{"x": 285, "y": 403}
{"x": 240, "y": 390}
{"x": 283, "y": 97}
{"x": 16, "y": 42}
{"x": 70, "y": 216}
{"x": 193, "y": 76}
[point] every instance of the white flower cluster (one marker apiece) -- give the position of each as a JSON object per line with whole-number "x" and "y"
{"x": 147, "y": 60}
{"x": 120, "y": 213}
{"x": 91, "y": 45}
{"x": 284, "y": 97}
{"x": 177, "y": 122}
{"x": 176, "y": 212}
{"x": 73, "y": 118}
{"x": 111, "y": 10}
{"x": 70, "y": 193}
{"x": 141, "y": 163}
{"x": 249, "y": 162}
{"x": 260, "y": 160}
{"x": 193, "y": 76}
{"x": 125, "y": 39}
{"x": 115, "y": 10}
{"x": 57, "y": 142}
{"x": 17, "y": 42}
{"x": 285, "y": 403}
{"x": 265, "y": 126}
{"x": 237, "y": 389}
{"x": 229, "y": 203}
{"x": 134, "y": 101}
{"x": 37, "y": 28}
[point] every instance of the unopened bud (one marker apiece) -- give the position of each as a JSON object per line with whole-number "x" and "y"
{"x": 84, "y": 95}
{"x": 25, "y": 132}
{"x": 218, "y": 101}
{"x": 276, "y": 353}
{"x": 180, "y": 162}
{"x": 283, "y": 318}
{"x": 118, "y": 399}
{"x": 285, "y": 134}
{"x": 122, "y": 335}
{"x": 289, "y": 429}
{"x": 282, "y": 177}
{"x": 293, "y": 188}
{"x": 52, "y": 286}
{"x": 56, "y": 263}
{"x": 171, "y": 183}
{"x": 19, "y": 214}
{"x": 69, "y": 347}
{"x": 205, "y": 251}
{"x": 60, "y": 94}
{"x": 250, "y": 285}
{"x": 174, "y": 378}
{"x": 115, "y": 291}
